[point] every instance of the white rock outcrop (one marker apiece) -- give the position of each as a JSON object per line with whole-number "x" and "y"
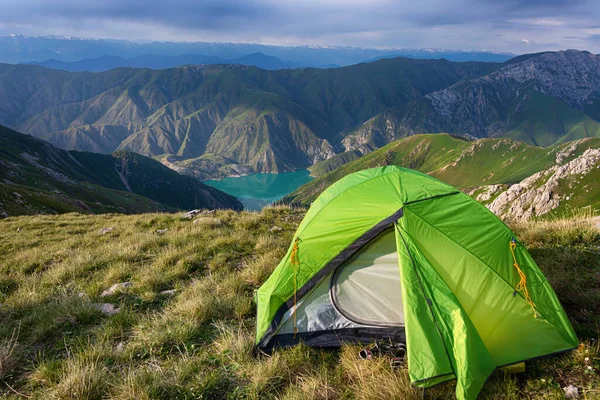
{"x": 537, "y": 195}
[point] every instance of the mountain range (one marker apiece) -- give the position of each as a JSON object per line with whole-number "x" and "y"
{"x": 269, "y": 121}
{"x": 105, "y": 63}
{"x": 543, "y": 99}
{"x": 36, "y": 177}
{"x": 215, "y": 120}
{"x": 23, "y": 49}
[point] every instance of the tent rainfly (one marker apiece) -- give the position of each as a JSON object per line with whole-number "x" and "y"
{"x": 393, "y": 254}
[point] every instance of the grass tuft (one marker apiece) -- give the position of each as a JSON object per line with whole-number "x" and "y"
{"x": 196, "y": 340}
{"x": 9, "y": 355}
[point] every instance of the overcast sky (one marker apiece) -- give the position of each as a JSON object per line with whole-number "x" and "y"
{"x": 501, "y": 25}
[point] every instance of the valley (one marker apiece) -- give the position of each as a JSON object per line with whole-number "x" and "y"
{"x": 212, "y": 121}
{"x": 267, "y": 121}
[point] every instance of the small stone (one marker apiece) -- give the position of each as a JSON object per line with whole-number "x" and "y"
{"x": 104, "y": 231}
{"x": 170, "y": 292}
{"x": 191, "y": 214}
{"x": 276, "y": 229}
{"x": 161, "y": 231}
{"x": 115, "y": 288}
{"x": 106, "y": 308}
{"x": 571, "y": 392}
{"x": 209, "y": 221}
{"x": 120, "y": 347}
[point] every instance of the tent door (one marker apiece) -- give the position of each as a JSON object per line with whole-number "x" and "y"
{"x": 366, "y": 289}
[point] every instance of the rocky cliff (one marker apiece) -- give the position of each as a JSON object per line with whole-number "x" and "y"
{"x": 565, "y": 186}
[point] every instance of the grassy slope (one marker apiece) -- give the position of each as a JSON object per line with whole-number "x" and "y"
{"x": 198, "y": 342}
{"x": 27, "y": 189}
{"x": 546, "y": 121}
{"x": 150, "y": 178}
{"x": 25, "y": 200}
{"x": 584, "y": 193}
{"x": 58, "y": 181}
{"x": 461, "y": 163}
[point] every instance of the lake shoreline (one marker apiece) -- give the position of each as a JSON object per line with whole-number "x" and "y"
{"x": 258, "y": 190}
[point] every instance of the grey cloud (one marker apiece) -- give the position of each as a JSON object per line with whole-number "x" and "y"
{"x": 525, "y": 25}
{"x": 173, "y": 12}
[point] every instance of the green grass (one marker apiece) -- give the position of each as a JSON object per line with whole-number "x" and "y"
{"x": 584, "y": 192}
{"x": 546, "y": 121}
{"x": 198, "y": 342}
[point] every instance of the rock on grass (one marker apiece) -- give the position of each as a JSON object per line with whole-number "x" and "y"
{"x": 191, "y": 214}
{"x": 116, "y": 288}
{"x": 106, "y": 308}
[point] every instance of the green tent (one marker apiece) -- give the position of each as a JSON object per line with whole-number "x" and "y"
{"x": 390, "y": 253}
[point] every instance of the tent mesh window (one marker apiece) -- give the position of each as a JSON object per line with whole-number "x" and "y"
{"x": 366, "y": 289}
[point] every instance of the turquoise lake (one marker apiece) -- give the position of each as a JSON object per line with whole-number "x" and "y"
{"x": 258, "y": 190}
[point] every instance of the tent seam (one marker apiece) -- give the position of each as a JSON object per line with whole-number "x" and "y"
{"x": 428, "y": 301}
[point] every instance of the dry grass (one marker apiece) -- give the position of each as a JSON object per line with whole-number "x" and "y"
{"x": 9, "y": 354}
{"x": 82, "y": 379}
{"x": 196, "y": 342}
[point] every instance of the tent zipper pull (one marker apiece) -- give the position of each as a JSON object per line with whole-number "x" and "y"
{"x": 522, "y": 285}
